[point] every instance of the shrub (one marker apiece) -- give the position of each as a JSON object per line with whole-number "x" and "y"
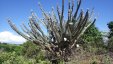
{"x": 13, "y": 58}
{"x": 110, "y": 44}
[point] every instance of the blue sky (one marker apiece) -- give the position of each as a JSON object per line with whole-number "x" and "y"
{"x": 19, "y": 11}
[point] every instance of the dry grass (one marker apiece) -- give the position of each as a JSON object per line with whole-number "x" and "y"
{"x": 83, "y": 57}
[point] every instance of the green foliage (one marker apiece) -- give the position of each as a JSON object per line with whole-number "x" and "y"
{"x": 93, "y": 41}
{"x": 27, "y": 53}
{"x": 94, "y": 62}
{"x": 93, "y": 37}
{"x": 13, "y": 58}
{"x": 110, "y": 44}
{"x": 30, "y": 50}
{"x": 110, "y": 26}
{"x": 107, "y": 60}
{"x": 10, "y": 48}
{"x": 110, "y": 36}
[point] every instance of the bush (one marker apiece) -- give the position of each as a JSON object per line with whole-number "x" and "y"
{"x": 13, "y": 58}
{"x": 30, "y": 50}
{"x": 110, "y": 44}
{"x": 93, "y": 37}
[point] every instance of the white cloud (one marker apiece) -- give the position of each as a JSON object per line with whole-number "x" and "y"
{"x": 9, "y": 37}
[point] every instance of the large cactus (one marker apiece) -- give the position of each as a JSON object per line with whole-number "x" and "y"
{"x": 62, "y": 35}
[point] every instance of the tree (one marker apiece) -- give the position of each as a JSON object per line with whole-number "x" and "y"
{"x": 93, "y": 37}
{"x": 62, "y": 35}
{"x": 93, "y": 41}
{"x": 110, "y": 26}
{"x": 110, "y": 36}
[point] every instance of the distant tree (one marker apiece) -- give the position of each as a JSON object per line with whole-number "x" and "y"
{"x": 110, "y": 36}
{"x": 92, "y": 41}
{"x": 62, "y": 35}
{"x": 10, "y": 47}
{"x": 110, "y": 26}
{"x": 93, "y": 37}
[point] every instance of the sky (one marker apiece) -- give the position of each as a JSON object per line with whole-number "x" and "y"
{"x": 19, "y": 11}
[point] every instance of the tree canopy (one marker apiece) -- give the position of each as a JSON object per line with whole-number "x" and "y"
{"x": 110, "y": 26}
